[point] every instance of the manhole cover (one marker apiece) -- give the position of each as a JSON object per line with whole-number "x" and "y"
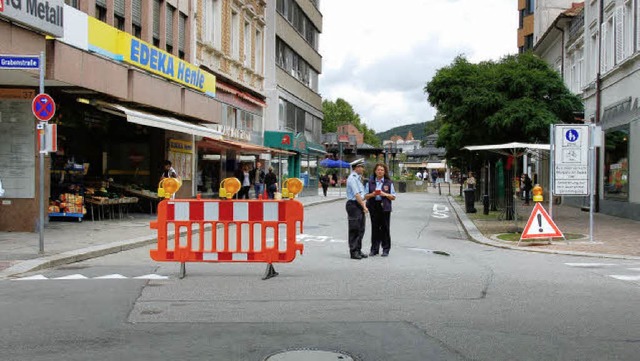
{"x": 309, "y": 355}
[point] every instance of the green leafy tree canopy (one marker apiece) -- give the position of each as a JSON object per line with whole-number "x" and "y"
{"x": 341, "y": 112}
{"x": 512, "y": 100}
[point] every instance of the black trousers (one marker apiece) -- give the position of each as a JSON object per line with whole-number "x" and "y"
{"x": 380, "y": 221}
{"x": 324, "y": 189}
{"x": 243, "y": 193}
{"x": 356, "y": 218}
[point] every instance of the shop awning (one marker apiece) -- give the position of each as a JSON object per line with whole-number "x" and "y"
{"x": 167, "y": 123}
{"x": 242, "y": 147}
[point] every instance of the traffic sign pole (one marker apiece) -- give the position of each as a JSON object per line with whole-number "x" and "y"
{"x": 41, "y": 156}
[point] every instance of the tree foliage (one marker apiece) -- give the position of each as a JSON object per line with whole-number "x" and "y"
{"x": 341, "y": 112}
{"x": 513, "y": 100}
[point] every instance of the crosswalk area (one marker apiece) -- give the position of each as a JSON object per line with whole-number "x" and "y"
{"x": 622, "y": 272}
{"x": 77, "y": 276}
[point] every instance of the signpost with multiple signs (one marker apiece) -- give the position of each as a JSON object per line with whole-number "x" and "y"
{"x": 571, "y": 159}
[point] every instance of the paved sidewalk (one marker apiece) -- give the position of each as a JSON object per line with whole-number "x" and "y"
{"x": 613, "y": 237}
{"x": 67, "y": 242}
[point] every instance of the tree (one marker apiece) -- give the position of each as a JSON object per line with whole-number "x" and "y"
{"x": 513, "y": 100}
{"x": 341, "y": 112}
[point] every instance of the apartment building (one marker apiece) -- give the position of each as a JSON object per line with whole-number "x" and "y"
{"x": 525, "y": 25}
{"x": 133, "y": 86}
{"x": 293, "y": 118}
{"x": 599, "y": 50}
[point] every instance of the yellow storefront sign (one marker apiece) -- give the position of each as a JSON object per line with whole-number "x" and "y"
{"x": 121, "y": 46}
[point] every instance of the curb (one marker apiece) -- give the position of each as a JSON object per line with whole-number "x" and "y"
{"x": 96, "y": 251}
{"x": 473, "y": 234}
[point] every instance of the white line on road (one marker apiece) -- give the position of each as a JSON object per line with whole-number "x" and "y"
{"x": 589, "y": 265}
{"x": 626, "y": 278}
{"x": 440, "y": 211}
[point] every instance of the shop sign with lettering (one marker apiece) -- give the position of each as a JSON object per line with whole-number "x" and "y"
{"x": 46, "y": 16}
{"x": 180, "y": 146}
{"x": 109, "y": 41}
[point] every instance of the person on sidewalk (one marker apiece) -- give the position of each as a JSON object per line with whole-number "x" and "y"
{"x": 257, "y": 179}
{"x": 168, "y": 171}
{"x": 243, "y": 176}
{"x": 271, "y": 182}
{"x": 527, "y": 185}
{"x": 324, "y": 182}
{"x": 356, "y": 209}
{"x": 380, "y": 194}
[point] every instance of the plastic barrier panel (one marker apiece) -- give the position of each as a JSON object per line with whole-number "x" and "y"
{"x": 239, "y": 231}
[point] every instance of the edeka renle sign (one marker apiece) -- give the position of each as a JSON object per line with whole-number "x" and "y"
{"x": 111, "y": 42}
{"x": 44, "y": 15}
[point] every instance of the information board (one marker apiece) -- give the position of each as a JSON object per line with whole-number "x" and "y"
{"x": 571, "y": 160}
{"x": 17, "y": 144}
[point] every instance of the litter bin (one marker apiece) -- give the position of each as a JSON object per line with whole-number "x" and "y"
{"x": 469, "y": 198}
{"x": 402, "y": 187}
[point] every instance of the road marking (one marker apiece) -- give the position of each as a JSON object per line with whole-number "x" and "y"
{"x": 82, "y": 277}
{"x": 76, "y": 276}
{"x": 589, "y": 265}
{"x": 440, "y": 211}
{"x": 110, "y": 277}
{"x": 32, "y": 278}
{"x": 303, "y": 237}
{"x": 443, "y": 253}
{"x": 626, "y": 278}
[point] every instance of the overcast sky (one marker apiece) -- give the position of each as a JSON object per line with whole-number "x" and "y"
{"x": 378, "y": 55}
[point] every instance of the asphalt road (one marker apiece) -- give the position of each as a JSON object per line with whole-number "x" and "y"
{"x": 478, "y": 303}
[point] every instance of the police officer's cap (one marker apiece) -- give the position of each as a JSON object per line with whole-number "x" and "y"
{"x": 357, "y": 162}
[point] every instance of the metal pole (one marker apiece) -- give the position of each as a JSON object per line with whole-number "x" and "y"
{"x": 41, "y": 158}
{"x": 340, "y": 171}
{"x": 592, "y": 183}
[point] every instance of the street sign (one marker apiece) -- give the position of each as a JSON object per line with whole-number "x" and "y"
{"x": 19, "y": 61}
{"x": 540, "y": 225}
{"x": 43, "y": 107}
{"x": 571, "y": 158}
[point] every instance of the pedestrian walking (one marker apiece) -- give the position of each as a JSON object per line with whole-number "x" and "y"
{"x": 527, "y": 186}
{"x": 324, "y": 182}
{"x": 356, "y": 209}
{"x": 243, "y": 176}
{"x": 257, "y": 179}
{"x": 380, "y": 194}
{"x": 271, "y": 181}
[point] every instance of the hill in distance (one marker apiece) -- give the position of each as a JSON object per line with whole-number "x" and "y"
{"x": 417, "y": 129}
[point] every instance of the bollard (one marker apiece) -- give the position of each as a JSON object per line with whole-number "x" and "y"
{"x": 460, "y": 189}
{"x": 485, "y": 204}
{"x": 439, "y": 189}
{"x": 469, "y": 195}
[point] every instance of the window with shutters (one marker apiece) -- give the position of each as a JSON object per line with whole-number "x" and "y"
{"x": 235, "y": 34}
{"x": 627, "y": 31}
{"x": 101, "y": 12}
{"x": 608, "y": 44}
{"x": 169, "y": 25}
{"x": 136, "y": 18}
{"x": 182, "y": 23}
{"x": 211, "y": 23}
{"x": 593, "y": 53}
{"x": 247, "y": 44}
{"x": 259, "y": 55}
{"x": 619, "y": 34}
{"x": 156, "y": 23}
{"x": 73, "y": 3}
{"x": 118, "y": 7}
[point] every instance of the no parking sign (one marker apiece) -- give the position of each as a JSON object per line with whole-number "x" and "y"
{"x": 43, "y": 107}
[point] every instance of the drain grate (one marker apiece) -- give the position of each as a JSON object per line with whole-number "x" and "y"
{"x": 309, "y": 355}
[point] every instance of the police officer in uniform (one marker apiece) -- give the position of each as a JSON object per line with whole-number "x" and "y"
{"x": 356, "y": 209}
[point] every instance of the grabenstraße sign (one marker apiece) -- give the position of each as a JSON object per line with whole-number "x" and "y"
{"x": 46, "y": 16}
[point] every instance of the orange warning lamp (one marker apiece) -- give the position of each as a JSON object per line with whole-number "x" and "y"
{"x": 169, "y": 187}
{"x": 537, "y": 193}
{"x": 229, "y": 187}
{"x": 292, "y": 187}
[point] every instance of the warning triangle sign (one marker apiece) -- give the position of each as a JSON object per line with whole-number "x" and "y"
{"x": 540, "y": 225}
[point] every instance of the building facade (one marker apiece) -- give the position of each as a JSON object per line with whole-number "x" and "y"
{"x": 525, "y": 25}
{"x": 294, "y": 105}
{"x": 134, "y": 85}
{"x": 600, "y": 62}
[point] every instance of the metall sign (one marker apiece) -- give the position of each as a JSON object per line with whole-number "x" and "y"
{"x": 46, "y": 16}
{"x": 19, "y": 61}
{"x": 571, "y": 158}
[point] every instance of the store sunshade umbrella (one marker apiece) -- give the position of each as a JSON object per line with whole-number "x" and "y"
{"x": 330, "y": 163}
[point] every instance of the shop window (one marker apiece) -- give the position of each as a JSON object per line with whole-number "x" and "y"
{"x": 616, "y": 164}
